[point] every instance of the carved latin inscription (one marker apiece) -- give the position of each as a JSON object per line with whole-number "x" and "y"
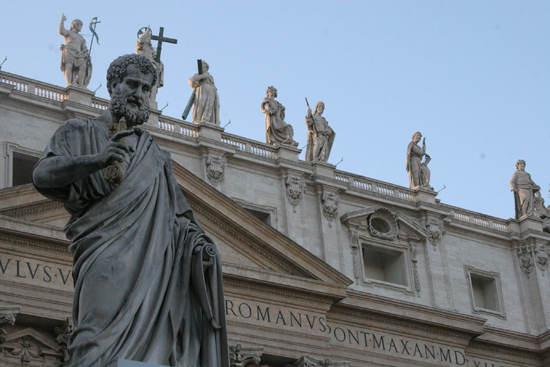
{"x": 22, "y": 270}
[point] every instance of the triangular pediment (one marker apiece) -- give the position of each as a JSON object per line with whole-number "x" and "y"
{"x": 406, "y": 227}
{"x": 32, "y": 338}
{"x": 250, "y": 247}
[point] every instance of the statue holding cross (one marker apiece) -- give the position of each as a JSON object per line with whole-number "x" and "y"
{"x": 144, "y": 47}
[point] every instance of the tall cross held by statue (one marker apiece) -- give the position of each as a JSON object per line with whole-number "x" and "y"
{"x": 160, "y": 38}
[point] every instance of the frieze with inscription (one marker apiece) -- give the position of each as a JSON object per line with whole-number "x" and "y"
{"x": 374, "y": 341}
{"x": 18, "y": 269}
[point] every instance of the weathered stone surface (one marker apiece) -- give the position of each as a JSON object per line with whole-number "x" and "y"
{"x": 206, "y": 108}
{"x": 145, "y": 47}
{"x": 132, "y": 271}
{"x": 76, "y": 63}
{"x": 419, "y": 173}
{"x": 277, "y": 131}
{"x": 320, "y": 135}
{"x": 286, "y": 275}
{"x": 128, "y": 363}
{"x": 525, "y": 191}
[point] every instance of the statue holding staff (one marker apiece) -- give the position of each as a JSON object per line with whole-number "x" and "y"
{"x": 320, "y": 135}
{"x": 419, "y": 176}
{"x": 74, "y": 54}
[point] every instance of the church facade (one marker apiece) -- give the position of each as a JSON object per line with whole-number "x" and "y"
{"x": 321, "y": 267}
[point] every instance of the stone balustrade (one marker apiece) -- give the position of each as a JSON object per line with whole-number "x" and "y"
{"x": 480, "y": 220}
{"x": 34, "y": 87}
{"x": 368, "y": 184}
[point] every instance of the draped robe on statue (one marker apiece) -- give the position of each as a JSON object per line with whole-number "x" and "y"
{"x": 206, "y": 107}
{"x": 142, "y": 289}
{"x": 319, "y": 139}
{"x": 414, "y": 159}
{"x": 277, "y": 130}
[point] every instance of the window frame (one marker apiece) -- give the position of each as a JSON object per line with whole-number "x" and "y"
{"x": 469, "y": 271}
{"x": 10, "y": 149}
{"x": 382, "y": 248}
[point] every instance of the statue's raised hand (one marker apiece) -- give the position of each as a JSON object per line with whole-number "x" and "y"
{"x": 115, "y": 150}
{"x": 63, "y": 18}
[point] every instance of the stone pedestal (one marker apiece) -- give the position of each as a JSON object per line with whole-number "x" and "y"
{"x": 128, "y": 363}
{"x": 288, "y": 152}
{"x": 426, "y": 195}
{"x": 154, "y": 118}
{"x": 79, "y": 95}
{"x": 527, "y": 223}
{"x": 210, "y": 131}
{"x": 323, "y": 169}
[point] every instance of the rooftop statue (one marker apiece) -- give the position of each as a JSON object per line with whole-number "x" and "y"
{"x": 148, "y": 281}
{"x": 320, "y": 136}
{"x": 76, "y": 62}
{"x": 145, "y": 47}
{"x": 206, "y": 107}
{"x": 277, "y": 131}
{"x": 419, "y": 173}
{"x": 525, "y": 191}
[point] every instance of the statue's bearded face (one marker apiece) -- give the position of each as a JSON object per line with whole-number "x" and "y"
{"x": 130, "y": 98}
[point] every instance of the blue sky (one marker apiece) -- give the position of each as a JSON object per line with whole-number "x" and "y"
{"x": 472, "y": 76}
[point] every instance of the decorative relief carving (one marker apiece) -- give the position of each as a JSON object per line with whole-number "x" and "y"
{"x": 436, "y": 230}
{"x": 63, "y": 334}
{"x": 35, "y": 244}
{"x": 7, "y": 316}
{"x": 541, "y": 257}
{"x": 295, "y": 189}
{"x": 240, "y": 356}
{"x": 27, "y": 350}
{"x": 383, "y": 224}
{"x": 356, "y": 252}
{"x": 35, "y": 210}
{"x": 330, "y": 203}
{"x": 412, "y": 251}
{"x": 308, "y": 361}
{"x": 525, "y": 256}
{"x": 215, "y": 168}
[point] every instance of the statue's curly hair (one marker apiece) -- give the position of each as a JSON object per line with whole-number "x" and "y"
{"x": 117, "y": 69}
{"x": 271, "y": 88}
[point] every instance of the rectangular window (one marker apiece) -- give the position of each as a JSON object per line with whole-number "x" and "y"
{"x": 385, "y": 265}
{"x": 264, "y": 217}
{"x": 22, "y": 168}
{"x": 485, "y": 292}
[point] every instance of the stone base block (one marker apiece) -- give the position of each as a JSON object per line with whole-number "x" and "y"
{"x": 128, "y": 363}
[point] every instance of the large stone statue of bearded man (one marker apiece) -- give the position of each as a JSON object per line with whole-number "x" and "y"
{"x": 148, "y": 281}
